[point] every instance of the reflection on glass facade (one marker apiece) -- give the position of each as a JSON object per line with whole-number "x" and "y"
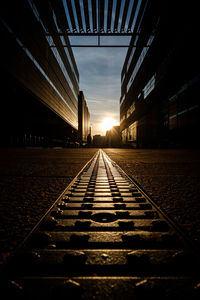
{"x": 149, "y": 86}
{"x": 182, "y": 105}
{"x": 130, "y": 110}
{"x": 160, "y": 79}
{"x": 139, "y": 61}
{"x": 69, "y": 58}
{"x": 56, "y": 81}
{"x": 62, "y": 66}
{"x": 84, "y": 129}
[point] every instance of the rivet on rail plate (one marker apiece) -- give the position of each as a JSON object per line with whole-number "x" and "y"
{"x": 74, "y": 258}
{"x": 70, "y": 290}
{"x": 147, "y": 289}
{"x": 137, "y": 258}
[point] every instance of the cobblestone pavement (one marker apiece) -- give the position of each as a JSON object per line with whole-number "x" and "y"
{"x": 32, "y": 179}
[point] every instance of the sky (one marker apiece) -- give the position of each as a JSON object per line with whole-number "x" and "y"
{"x": 100, "y": 78}
{"x": 100, "y": 68}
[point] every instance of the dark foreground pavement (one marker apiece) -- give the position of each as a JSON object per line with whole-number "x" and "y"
{"x": 32, "y": 179}
{"x": 171, "y": 178}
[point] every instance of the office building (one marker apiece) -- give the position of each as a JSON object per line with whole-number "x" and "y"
{"x": 113, "y": 137}
{"x": 160, "y": 79}
{"x": 84, "y": 129}
{"x": 40, "y": 82}
{"x": 98, "y": 141}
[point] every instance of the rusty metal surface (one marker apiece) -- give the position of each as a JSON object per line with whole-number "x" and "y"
{"x": 104, "y": 238}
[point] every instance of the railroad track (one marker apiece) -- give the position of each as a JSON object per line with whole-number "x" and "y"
{"x": 104, "y": 238}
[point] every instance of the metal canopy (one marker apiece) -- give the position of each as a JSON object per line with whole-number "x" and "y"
{"x": 99, "y": 16}
{"x": 95, "y": 18}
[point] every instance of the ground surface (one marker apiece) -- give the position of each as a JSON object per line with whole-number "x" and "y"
{"x": 32, "y": 179}
{"x": 30, "y": 182}
{"x": 171, "y": 177}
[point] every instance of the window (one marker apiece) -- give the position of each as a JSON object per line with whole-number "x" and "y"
{"x": 132, "y": 132}
{"x": 124, "y": 136}
{"x": 130, "y": 110}
{"x": 123, "y": 118}
{"x": 140, "y": 60}
{"x": 149, "y": 86}
{"x": 122, "y": 99}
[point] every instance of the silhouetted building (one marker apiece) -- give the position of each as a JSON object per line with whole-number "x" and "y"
{"x": 98, "y": 141}
{"x": 40, "y": 82}
{"x": 84, "y": 129}
{"x": 113, "y": 137}
{"x": 89, "y": 139}
{"x": 160, "y": 81}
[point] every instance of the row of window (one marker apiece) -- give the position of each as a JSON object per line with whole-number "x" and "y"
{"x": 130, "y": 58}
{"x": 66, "y": 49}
{"x": 123, "y": 118}
{"x": 149, "y": 86}
{"x": 47, "y": 78}
{"x": 132, "y": 53}
{"x": 65, "y": 73}
{"x": 130, "y": 134}
{"x": 135, "y": 41}
{"x": 146, "y": 91}
{"x": 122, "y": 99}
{"x": 55, "y": 51}
{"x": 68, "y": 56}
{"x": 58, "y": 57}
{"x": 28, "y": 53}
{"x": 178, "y": 113}
{"x": 139, "y": 61}
{"x": 130, "y": 110}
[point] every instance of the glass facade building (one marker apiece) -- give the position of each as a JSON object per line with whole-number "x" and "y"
{"x": 84, "y": 129}
{"x": 35, "y": 57}
{"x": 160, "y": 78}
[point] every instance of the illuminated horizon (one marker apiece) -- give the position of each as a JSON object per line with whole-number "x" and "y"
{"x": 100, "y": 80}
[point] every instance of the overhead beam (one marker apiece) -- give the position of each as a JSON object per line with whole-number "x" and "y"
{"x": 93, "y": 34}
{"x": 86, "y": 13}
{"x": 117, "y": 11}
{"x": 109, "y": 16}
{"x": 140, "y": 15}
{"x": 126, "y": 6}
{"x": 101, "y": 15}
{"x": 78, "y": 13}
{"x": 88, "y": 16}
{"x": 94, "y": 16}
{"x": 71, "y": 14}
{"x": 132, "y": 15}
{"x": 94, "y": 46}
{"x": 60, "y": 14}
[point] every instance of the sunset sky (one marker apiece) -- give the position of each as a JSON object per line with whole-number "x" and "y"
{"x": 100, "y": 78}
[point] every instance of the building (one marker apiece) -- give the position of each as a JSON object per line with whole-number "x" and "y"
{"x": 40, "y": 79}
{"x": 98, "y": 141}
{"x": 160, "y": 79}
{"x": 84, "y": 129}
{"x": 113, "y": 137}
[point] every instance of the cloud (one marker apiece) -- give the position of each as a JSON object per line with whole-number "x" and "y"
{"x": 100, "y": 80}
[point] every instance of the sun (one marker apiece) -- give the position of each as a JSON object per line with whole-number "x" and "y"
{"x": 108, "y": 123}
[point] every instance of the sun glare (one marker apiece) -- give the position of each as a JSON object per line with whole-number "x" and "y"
{"x": 108, "y": 123}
